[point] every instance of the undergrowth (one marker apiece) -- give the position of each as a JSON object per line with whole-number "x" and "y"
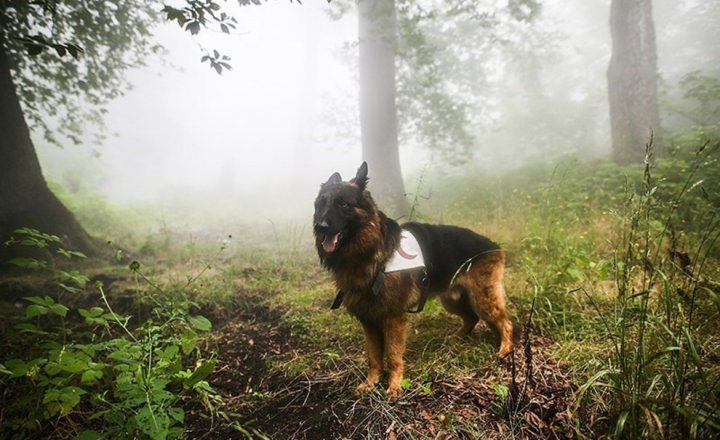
{"x": 92, "y": 373}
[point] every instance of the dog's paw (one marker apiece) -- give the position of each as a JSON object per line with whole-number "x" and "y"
{"x": 505, "y": 351}
{"x": 364, "y": 388}
{"x": 393, "y": 392}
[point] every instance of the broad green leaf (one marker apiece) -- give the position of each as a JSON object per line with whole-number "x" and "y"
{"x": 42, "y": 301}
{"x": 154, "y": 424}
{"x": 35, "y": 310}
{"x": 92, "y": 313}
{"x": 201, "y": 323}
{"x": 168, "y": 353}
{"x": 91, "y": 376}
{"x": 89, "y": 435}
{"x": 200, "y": 373}
{"x": 28, "y": 263}
{"x": 176, "y": 414}
{"x": 59, "y": 309}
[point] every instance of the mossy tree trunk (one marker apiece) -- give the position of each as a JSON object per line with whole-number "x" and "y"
{"x": 377, "y": 30}
{"x": 25, "y": 199}
{"x": 632, "y": 79}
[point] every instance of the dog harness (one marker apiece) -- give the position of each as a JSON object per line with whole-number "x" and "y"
{"x": 407, "y": 256}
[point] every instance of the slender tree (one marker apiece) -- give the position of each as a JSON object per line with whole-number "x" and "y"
{"x": 377, "y": 31}
{"x": 632, "y": 79}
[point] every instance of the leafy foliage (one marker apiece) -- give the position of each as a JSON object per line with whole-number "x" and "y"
{"x": 79, "y": 53}
{"x": 129, "y": 376}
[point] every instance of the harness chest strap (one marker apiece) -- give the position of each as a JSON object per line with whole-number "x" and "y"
{"x": 376, "y": 286}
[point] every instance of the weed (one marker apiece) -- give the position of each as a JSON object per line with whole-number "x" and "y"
{"x": 101, "y": 372}
{"x": 657, "y": 380}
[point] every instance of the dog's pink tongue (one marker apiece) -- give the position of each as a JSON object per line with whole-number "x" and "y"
{"x": 330, "y": 243}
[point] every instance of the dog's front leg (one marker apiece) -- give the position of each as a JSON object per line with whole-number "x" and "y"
{"x": 394, "y": 330}
{"x": 374, "y": 339}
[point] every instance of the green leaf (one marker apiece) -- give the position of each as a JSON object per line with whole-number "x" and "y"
{"x": 28, "y": 263}
{"x": 58, "y": 309}
{"x": 188, "y": 342}
{"x": 168, "y": 353}
{"x": 66, "y": 399}
{"x": 154, "y": 424}
{"x": 26, "y": 327}
{"x": 92, "y": 313}
{"x": 35, "y": 310}
{"x": 46, "y": 301}
{"x": 193, "y": 27}
{"x": 67, "y": 288}
{"x": 18, "y": 367}
{"x": 177, "y": 414}
{"x": 89, "y": 435}
{"x": 200, "y": 373}
{"x": 121, "y": 355}
{"x": 620, "y": 424}
{"x": 201, "y": 323}
{"x": 34, "y": 50}
{"x": 91, "y": 376}
{"x": 70, "y": 254}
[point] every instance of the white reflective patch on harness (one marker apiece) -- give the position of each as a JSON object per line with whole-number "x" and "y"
{"x": 407, "y": 255}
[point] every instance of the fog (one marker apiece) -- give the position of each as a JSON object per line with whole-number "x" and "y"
{"x": 285, "y": 117}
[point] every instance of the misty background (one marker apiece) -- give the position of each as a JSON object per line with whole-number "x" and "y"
{"x": 258, "y": 139}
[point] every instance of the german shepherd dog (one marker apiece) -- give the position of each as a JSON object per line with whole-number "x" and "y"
{"x": 355, "y": 241}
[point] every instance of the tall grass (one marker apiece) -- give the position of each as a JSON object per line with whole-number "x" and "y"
{"x": 659, "y": 377}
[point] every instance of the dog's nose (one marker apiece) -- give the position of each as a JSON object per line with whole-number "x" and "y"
{"x": 321, "y": 227}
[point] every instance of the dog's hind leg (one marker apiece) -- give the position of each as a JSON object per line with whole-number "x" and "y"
{"x": 456, "y": 302}
{"x": 375, "y": 344}
{"x": 484, "y": 282}
{"x": 395, "y": 335}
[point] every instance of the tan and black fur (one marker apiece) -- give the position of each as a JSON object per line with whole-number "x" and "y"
{"x": 355, "y": 240}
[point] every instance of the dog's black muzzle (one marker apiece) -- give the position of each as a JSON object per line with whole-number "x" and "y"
{"x": 321, "y": 227}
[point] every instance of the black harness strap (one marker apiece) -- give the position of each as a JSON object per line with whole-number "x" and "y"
{"x": 338, "y": 300}
{"x": 379, "y": 280}
{"x": 376, "y": 286}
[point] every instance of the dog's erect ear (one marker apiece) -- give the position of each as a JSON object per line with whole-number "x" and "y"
{"x": 361, "y": 177}
{"x": 335, "y": 178}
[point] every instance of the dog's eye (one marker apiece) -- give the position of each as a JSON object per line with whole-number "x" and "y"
{"x": 344, "y": 205}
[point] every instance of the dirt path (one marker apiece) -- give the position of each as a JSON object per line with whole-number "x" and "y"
{"x": 320, "y": 404}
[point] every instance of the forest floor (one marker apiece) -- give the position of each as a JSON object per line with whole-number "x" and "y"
{"x": 264, "y": 393}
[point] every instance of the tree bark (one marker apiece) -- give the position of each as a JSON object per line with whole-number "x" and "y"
{"x": 377, "y": 30}
{"x": 25, "y": 199}
{"x": 632, "y": 79}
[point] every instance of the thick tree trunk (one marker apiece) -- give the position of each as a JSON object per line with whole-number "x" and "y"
{"x": 632, "y": 79}
{"x": 377, "y": 28}
{"x": 25, "y": 199}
